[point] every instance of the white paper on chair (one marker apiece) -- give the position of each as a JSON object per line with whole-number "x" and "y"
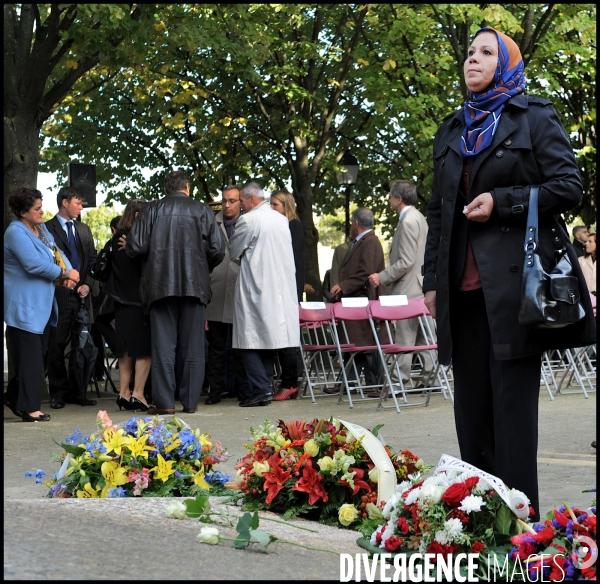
{"x": 394, "y": 300}
{"x": 355, "y": 302}
{"x": 313, "y": 305}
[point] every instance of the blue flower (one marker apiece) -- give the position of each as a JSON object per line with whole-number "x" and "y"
{"x": 76, "y": 438}
{"x": 131, "y": 426}
{"x": 218, "y": 477}
{"x": 118, "y": 492}
{"x": 38, "y": 474}
{"x": 178, "y": 474}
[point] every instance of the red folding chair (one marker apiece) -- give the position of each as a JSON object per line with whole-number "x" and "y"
{"x": 390, "y": 353}
{"x": 320, "y": 351}
{"x": 354, "y": 380}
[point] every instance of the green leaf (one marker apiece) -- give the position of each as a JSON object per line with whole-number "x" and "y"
{"x": 261, "y": 536}
{"x": 74, "y": 450}
{"x": 198, "y": 506}
{"x": 503, "y": 520}
{"x": 255, "y": 520}
{"x": 375, "y": 430}
{"x": 243, "y": 528}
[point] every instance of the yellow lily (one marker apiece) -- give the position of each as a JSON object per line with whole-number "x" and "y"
{"x": 114, "y": 475}
{"x": 113, "y": 441}
{"x": 89, "y": 492}
{"x": 163, "y": 470}
{"x": 175, "y": 442}
{"x": 199, "y": 479}
{"x": 138, "y": 447}
{"x": 204, "y": 440}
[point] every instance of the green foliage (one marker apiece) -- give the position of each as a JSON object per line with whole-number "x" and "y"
{"x": 98, "y": 220}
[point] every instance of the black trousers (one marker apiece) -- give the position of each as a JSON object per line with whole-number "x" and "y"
{"x": 290, "y": 362}
{"x": 495, "y": 402}
{"x": 177, "y": 322}
{"x": 59, "y": 383}
{"x": 259, "y": 365}
{"x": 218, "y": 336}
{"x": 27, "y": 351}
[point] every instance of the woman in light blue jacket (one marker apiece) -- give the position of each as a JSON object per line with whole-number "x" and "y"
{"x": 30, "y": 273}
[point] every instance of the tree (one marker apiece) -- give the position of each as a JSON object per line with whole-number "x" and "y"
{"x": 278, "y": 93}
{"x": 55, "y": 54}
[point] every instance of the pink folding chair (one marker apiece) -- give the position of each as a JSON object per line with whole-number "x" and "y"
{"x": 352, "y": 381}
{"x": 320, "y": 351}
{"x": 387, "y": 315}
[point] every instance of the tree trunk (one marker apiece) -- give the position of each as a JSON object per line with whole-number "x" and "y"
{"x": 21, "y": 156}
{"x": 304, "y": 202}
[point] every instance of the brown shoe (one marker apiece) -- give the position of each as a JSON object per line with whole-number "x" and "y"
{"x": 157, "y": 411}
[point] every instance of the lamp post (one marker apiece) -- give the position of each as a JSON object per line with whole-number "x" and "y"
{"x": 348, "y": 177}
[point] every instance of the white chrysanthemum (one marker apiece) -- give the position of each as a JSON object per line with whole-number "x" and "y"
{"x": 431, "y": 492}
{"x": 441, "y": 536}
{"x": 471, "y": 503}
{"x": 482, "y": 486}
{"x": 412, "y": 496}
{"x": 388, "y": 531}
{"x": 390, "y": 504}
{"x": 403, "y": 486}
{"x": 454, "y": 530}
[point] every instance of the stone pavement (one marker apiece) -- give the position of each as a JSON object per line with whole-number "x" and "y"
{"x": 119, "y": 539}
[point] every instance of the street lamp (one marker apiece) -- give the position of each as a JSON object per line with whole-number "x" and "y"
{"x": 348, "y": 177}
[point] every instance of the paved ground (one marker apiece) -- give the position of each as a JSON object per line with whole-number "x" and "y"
{"x": 133, "y": 539}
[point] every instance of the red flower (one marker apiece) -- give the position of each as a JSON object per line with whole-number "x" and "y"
{"x": 471, "y": 482}
{"x": 393, "y": 543}
{"x": 358, "y": 482}
{"x": 525, "y": 550}
{"x": 477, "y": 547}
{"x": 558, "y": 568}
{"x": 311, "y": 483}
{"x": 403, "y": 525}
{"x": 455, "y": 493}
{"x": 275, "y": 480}
{"x": 545, "y": 535}
{"x": 378, "y": 534}
{"x": 441, "y": 549}
{"x": 562, "y": 519}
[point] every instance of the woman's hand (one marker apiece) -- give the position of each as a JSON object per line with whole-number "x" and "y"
{"x": 429, "y": 300}
{"x": 480, "y": 208}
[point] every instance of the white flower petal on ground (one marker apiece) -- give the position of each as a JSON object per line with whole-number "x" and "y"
{"x": 177, "y": 509}
{"x": 471, "y": 503}
{"x": 209, "y": 535}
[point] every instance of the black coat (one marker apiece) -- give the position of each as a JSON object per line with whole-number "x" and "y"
{"x": 530, "y": 147}
{"x": 181, "y": 244}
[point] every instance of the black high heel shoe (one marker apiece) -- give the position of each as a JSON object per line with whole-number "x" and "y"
{"x": 123, "y": 403}
{"x": 136, "y": 404}
{"x": 13, "y": 409}
{"x": 41, "y": 418}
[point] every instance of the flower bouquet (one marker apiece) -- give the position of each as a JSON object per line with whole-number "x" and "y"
{"x": 318, "y": 470}
{"x": 452, "y": 512}
{"x": 562, "y": 547}
{"x": 142, "y": 457}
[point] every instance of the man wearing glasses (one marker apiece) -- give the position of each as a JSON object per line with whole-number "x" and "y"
{"x": 219, "y": 313}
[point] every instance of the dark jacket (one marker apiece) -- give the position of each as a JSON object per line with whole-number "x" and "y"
{"x": 181, "y": 244}
{"x": 123, "y": 284}
{"x": 530, "y": 147}
{"x": 87, "y": 256}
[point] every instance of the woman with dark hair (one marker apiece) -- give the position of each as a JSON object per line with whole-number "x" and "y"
{"x": 131, "y": 324}
{"x": 30, "y": 274}
{"x": 487, "y": 156}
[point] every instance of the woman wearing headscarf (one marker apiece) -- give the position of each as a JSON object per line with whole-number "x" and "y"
{"x": 487, "y": 155}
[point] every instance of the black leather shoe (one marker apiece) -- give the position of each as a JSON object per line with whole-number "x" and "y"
{"x": 137, "y": 405}
{"x": 123, "y": 403}
{"x": 257, "y": 400}
{"x": 211, "y": 400}
{"x": 57, "y": 403}
{"x": 77, "y": 401}
{"x": 594, "y": 444}
{"x": 161, "y": 411}
{"x": 189, "y": 410}
{"x": 42, "y": 418}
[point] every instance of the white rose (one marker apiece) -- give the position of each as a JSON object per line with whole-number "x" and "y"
{"x": 177, "y": 509}
{"x": 209, "y": 535}
{"x": 431, "y": 492}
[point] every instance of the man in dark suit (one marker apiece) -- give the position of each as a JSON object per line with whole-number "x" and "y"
{"x": 75, "y": 240}
{"x": 364, "y": 256}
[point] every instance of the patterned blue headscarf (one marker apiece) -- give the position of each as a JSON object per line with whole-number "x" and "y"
{"x": 483, "y": 110}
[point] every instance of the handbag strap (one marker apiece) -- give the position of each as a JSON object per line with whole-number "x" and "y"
{"x": 531, "y": 233}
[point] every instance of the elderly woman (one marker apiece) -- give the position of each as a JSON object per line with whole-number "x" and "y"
{"x": 588, "y": 263}
{"x": 486, "y": 157}
{"x": 30, "y": 273}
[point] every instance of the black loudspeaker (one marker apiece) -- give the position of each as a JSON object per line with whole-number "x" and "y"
{"x": 83, "y": 178}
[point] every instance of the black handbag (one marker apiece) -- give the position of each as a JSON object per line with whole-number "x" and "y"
{"x": 102, "y": 268}
{"x": 548, "y": 300}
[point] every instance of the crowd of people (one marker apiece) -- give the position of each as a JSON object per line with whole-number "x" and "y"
{"x": 200, "y": 294}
